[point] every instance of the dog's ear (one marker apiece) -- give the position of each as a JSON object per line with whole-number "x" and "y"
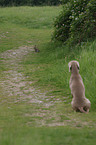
{"x": 78, "y": 65}
{"x": 70, "y": 67}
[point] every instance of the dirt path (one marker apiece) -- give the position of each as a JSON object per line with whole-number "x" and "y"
{"x": 14, "y": 83}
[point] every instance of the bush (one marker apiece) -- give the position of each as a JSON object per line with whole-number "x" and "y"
{"x": 77, "y": 21}
{"x": 62, "y": 24}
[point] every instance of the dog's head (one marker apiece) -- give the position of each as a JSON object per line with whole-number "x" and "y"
{"x": 71, "y": 63}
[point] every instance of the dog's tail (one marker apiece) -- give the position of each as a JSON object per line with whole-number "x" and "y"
{"x": 82, "y": 110}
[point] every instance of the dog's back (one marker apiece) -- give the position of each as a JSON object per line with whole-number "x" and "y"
{"x": 77, "y": 86}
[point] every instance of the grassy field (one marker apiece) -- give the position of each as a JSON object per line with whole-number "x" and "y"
{"x": 35, "y": 96}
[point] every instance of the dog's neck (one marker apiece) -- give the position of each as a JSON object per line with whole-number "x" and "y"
{"x": 75, "y": 69}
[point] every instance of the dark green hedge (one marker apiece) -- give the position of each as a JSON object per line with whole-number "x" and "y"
{"x": 76, "y": 22}
{"x": 28, "y": 2}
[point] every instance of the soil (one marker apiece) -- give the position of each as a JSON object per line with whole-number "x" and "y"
{"x": 14, "y": 82}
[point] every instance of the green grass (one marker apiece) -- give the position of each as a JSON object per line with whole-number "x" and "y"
{"x": 22, "y": 24}
{"x": 30, "y": 17}
{"x": 49, "y": 136}
{"x": 50, "y": 73}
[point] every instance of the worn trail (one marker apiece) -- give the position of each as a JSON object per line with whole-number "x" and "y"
{"x": 14, "y": 83}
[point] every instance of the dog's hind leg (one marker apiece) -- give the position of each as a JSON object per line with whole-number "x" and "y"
{"x": 82, "y": 110}
{"x": 87, "y": 110}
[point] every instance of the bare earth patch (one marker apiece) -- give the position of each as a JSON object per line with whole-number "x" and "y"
{"x": 14, "y": 83}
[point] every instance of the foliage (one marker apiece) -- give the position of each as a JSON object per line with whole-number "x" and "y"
{"x": 28, "y": 2}
{"x": 65, "y": 1}
{"x": 62, "y": 24}
{"x": 77, "y": 21}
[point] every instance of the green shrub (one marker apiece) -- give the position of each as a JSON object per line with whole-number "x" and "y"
{"x": 77, "y": 21}
{"x": 62, "y": 24}
{"x": 65, "y": 1}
